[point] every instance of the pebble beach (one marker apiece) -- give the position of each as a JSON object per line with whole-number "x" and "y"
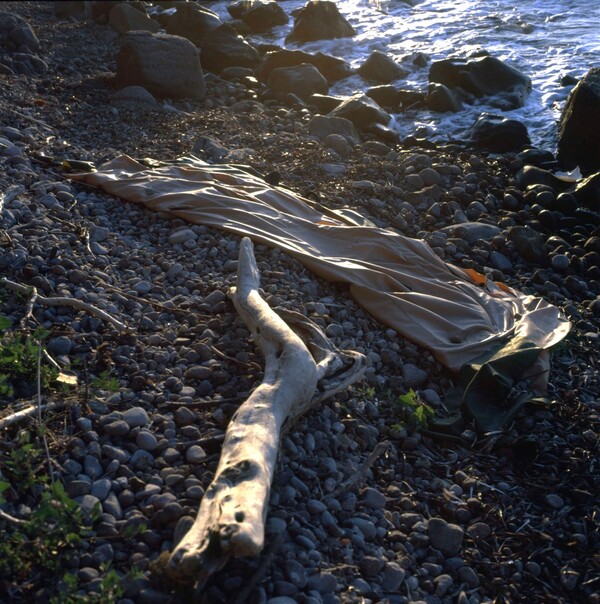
{"x": 509, "y": 517}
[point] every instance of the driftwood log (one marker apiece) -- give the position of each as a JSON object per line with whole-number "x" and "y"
{"x": 302, "y": 368}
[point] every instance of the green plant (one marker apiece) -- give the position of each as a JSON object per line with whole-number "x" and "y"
{"x": 106, "y": 382}
{"x": 109, "y": 590}
{"x": 19, "y": 361}
{"x": 413, "y": 409}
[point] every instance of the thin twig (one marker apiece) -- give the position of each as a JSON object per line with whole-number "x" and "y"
{"x": 29, "y": 309}
{"x": 6, "y": 516}
{"x": 27, "y": 413}
{"x": 42, "y": 428}
{"x": 72, "y": 302}
{"x": 379, "y": 449}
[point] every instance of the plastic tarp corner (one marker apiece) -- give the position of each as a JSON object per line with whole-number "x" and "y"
{"x": 487, "y": 333}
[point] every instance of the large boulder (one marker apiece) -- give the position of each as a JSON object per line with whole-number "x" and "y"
{"x": 193, "y": 22}
{"x": 259, "y": 15}
{"x": 381, "y": 68}
{"x": 16, "y": 34}
{"x": 332, "y": 68}
{"x": 483, "y": 77}
{"x": 319, "y": 20}
{"x": 124, "y": 17}
{"x": 165, "y": 65}
{"x": 300, "y": 80}
{"x": 579, "y": 127}
{"x": 18, "y": 47}
{"x": 499, "y": 134}
{"x": 223, "y": 47}
{"x": 362, "y": 111}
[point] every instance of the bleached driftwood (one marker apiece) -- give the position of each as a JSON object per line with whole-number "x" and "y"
{"x": 60, "y": 301}
{"x": 302, "y": 368}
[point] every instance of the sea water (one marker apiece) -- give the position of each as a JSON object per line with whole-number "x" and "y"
{"x": 545, "y": 39}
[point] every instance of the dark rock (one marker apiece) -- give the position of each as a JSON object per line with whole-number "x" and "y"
{"x": 319, "y": 21}
{"x": 532, "y": 175}
{"x": 442, "y": 99}
{"x": 192, "y": 21}
{"x": 16, "y": 34}
{"x": 587, "y": 192}
{"x": 529, "y": 244}
{"x": 483, "y": 77}
{"x": 223, "y": 47}
{"x": 536, "y": 157}
{"x": 125, "y": 17}
{"x": 324, "y": 103}
{"x": 331, "y": 68}
{"x": 498, "y": 134}
{"x": 258, "y": 15}
{"x": 446, "y": 537}
{"x": 579, "y": 126}
{"x": 162, "y": 64}
{"x": 381, "y": 68}
{"x": 361, "y": 111}
{"x": 387, "y": 96}
{"x": 78, "y": 9}
{"x": 323, "y": 125}
{"x": 300, "y": 80}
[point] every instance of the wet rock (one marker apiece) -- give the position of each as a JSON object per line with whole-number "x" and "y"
{"x": 162, "y": 64}
{"x": 441, "y": 99}
{"x": 319, "y": 21}
{"x": 259, "y": 15}
{"x": 484, "y": 76}
{"x": 498, "y": 134}
{"x": 382, "y": 68}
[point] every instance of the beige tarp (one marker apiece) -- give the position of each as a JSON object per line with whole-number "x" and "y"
{"x": 398, "y": 280}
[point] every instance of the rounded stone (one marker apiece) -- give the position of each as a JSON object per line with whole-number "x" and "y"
{"x": 136, "y": 417}
{"x": 195, "y": 454}
{"x": 146, "y": 440}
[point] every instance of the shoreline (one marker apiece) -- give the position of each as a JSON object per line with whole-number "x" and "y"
{"x": 433, "y": 522}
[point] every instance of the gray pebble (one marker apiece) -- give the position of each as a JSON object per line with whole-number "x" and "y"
{"x": 373, "y": 499}
{"x": 136, "y": 417}
{"x": 444, "y": 536}
{"x": 101, "y": 488}
{"x": 195, "y": 454}
{"x": 467, "y": 575}
{"x": 393, "y": 576}
{"x": 182, "y": 235}
{"x": 322, "y": 582}
{"x": 413, "y": 376}
{"x": 142, "y": 287}
{"x": 146, "y": 440}
{"x": 92, "y": 467}
{"x": 112, "y": 506}
{"x": 117, "y": 428}
{"x": 141, "y": 460}
{"x": 555, "y": 501}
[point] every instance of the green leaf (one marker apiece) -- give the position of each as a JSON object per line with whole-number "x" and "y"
{"x": 5, "y": 323}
